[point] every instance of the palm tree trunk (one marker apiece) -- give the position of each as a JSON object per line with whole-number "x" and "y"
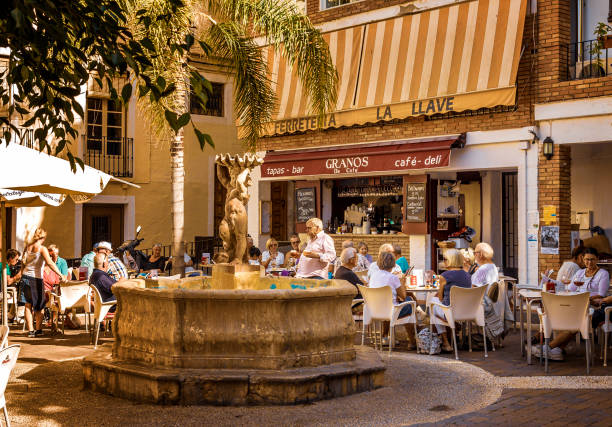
{"x": 178, "y": 201}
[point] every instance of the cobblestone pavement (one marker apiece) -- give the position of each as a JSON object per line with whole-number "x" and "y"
{"x": 46, "y": 389}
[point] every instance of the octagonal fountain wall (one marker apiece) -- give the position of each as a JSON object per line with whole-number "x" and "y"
{"x": 238, "y": 338}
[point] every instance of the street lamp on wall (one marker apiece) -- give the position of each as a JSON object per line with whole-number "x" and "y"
{"x": 548, "y": 147}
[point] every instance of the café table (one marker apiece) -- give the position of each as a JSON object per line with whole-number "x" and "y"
{"x": 527, "y": 296}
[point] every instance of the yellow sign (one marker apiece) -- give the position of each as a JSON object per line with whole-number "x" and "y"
{"x": 419, "y": 107}
{"x": 549, "y": 214}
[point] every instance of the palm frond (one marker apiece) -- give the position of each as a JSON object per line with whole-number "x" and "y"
{"x": 290, "y": 31}
{"x": 168, "y": 64}
{"x": 254, "y": 101}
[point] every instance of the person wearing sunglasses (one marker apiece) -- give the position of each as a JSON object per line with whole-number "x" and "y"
{"x": 272, "y": 258}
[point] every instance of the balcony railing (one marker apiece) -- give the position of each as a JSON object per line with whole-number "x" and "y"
{"x": 584, "y": 63}
{"x": 115, "y": 156}
{"x": 23, "y": 137}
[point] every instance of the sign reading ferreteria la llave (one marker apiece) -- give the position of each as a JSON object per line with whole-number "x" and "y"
{"x": 375, "y": 114}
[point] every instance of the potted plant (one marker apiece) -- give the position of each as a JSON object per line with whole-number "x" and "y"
{"x": 603, "y": 32}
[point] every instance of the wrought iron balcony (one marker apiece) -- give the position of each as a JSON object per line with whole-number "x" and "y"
{"x": 24, "y": 137}
{"x": 583, "y": 62}
{"x": 114, "y": 156}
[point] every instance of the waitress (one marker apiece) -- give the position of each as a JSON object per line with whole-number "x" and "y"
{"x": 591, "y": 279}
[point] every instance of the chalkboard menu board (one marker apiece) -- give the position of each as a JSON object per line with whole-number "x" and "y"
{"x": 306, "y": 204}
{"x": 415, "y": 201}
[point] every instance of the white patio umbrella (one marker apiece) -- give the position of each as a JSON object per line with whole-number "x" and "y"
{"x": 29, "y": 178}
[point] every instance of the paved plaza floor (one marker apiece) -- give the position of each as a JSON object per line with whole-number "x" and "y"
{"x": 46, "y": 389}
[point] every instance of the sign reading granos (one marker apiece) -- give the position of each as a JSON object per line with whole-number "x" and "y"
{"x": 395, "y": 157}
{"x": 346, "y": 165}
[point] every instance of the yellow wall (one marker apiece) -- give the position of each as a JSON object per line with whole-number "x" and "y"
{"x": 472, "y": 208}
{"x": 152, "y": 173}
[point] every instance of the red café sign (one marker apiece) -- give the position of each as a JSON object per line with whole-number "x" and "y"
{"x": 384, "y": 157}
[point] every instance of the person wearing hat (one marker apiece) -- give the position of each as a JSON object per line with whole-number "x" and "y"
{"x": 87, "y": 260}
{"x": 116, "y": 269}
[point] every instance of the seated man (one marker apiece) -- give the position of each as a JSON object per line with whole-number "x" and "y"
{"x": 115, "y": 267}
{"x": 348, "y": 259}
{"x": 101, "y": 279}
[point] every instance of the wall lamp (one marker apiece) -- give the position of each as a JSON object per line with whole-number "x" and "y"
{"x": 548, "y": 147}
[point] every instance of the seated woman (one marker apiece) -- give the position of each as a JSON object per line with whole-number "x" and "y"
{"x": 272, "y": 258}
{"x": 591, "y": 279}
{"x": 384, "y": 277}
{"x": 486, "y": 274}
{"x": 455, "y": 275}
{"x": 469, "y": 261}
{"x": 154, "y": 262}
{"x": 13, "y": 275}
{"x": 365, "y": 259}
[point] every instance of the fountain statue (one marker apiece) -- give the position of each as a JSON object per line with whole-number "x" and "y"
{"x": 234, "y": 172}
{"x": 236, "y": 338}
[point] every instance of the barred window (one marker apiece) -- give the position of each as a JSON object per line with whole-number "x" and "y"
{"x": 214, "y": 105}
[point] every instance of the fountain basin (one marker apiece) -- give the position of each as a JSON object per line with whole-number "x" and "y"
{"x": 278, "y": 340}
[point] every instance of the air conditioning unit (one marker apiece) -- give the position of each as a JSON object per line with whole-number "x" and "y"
{"x": 593, "y": 68}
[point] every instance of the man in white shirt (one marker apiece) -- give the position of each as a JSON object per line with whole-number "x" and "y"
{"x": 318, "y": 254}
{"x": 387, "y": 247}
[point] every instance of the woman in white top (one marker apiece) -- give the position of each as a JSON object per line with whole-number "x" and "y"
{"x": 486, "y": 273}
{"x": 383, "y": 276}
{"x": 272, "y": 258}
{"x": 591, "y": 279}
{"x": 35, "y": 257}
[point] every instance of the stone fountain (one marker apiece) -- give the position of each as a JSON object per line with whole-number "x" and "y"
{"x": 236, "y": 338}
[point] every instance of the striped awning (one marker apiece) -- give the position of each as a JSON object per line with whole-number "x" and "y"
{"x": 453, "y": 58}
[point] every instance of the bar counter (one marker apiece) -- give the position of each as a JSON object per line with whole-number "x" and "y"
{"x": 374, "y": 241}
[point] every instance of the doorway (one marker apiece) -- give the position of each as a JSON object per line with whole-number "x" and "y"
{"x": 102, "y": 223}
{"x": 510, "y": 223}
{"x": 278, "y": 217}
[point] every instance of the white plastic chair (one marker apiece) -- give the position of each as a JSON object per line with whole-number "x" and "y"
{"x": 73, "y": 295}
{"x": 8, "y": 358}
{"x": 465, "y": 305}
{"x": 4, "y": 333}
{"x": 378, "y": 306}
{"x": 605, "y": 329}
{"x": 100, "y": 311}
{"x": 565, "y": 313}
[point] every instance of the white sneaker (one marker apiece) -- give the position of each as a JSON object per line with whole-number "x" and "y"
{"x": 553, "y": 353}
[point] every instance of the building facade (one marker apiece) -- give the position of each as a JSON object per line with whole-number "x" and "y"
{"x": 463, "y": 85}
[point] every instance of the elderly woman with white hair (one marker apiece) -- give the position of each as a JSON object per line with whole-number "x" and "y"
{"x": 384, "y": 276}
{"x": 486, "y": 273}
{"x": 387, "y": 247}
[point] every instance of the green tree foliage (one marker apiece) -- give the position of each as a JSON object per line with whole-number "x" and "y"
{"x": 54, "y": 46}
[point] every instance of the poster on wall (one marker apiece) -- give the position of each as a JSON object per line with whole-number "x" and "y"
{"x": 549, "y": 240}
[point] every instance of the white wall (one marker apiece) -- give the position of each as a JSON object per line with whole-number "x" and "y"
{"x": 492, "y": 212}
{"x": 591, "y": 177}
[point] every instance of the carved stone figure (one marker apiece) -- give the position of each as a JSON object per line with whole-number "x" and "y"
{"x": 234, "y": 172}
